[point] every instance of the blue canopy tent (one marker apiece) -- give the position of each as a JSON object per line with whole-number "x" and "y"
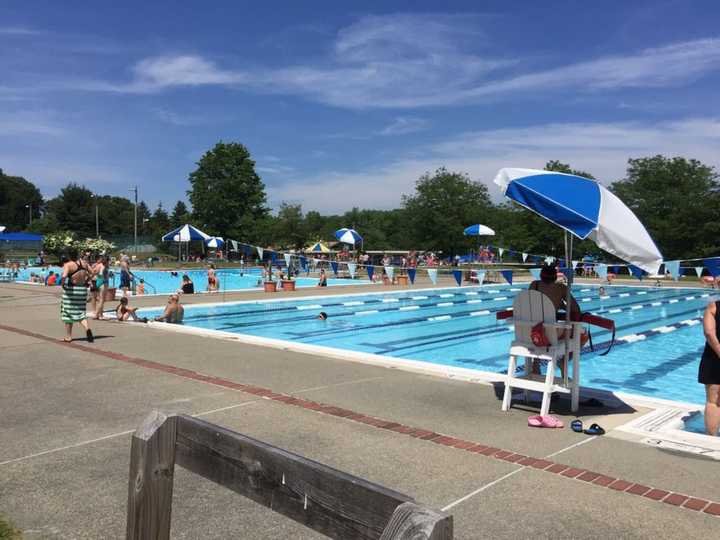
{"x": 20, "y": 241}
{"x": 185, "y": 233}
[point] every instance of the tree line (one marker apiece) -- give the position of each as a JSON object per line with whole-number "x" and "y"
{"x": 676, "y": 198}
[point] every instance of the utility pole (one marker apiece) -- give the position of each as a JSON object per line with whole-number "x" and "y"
{"x": 29, "y": 207}
{"x": 135, "y": 190}
{"x": 97, "y": 220}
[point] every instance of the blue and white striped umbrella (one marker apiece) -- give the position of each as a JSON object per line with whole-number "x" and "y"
{"x": 584, "y": 208}
{"x": 185, "y": 233}
{"x": 215, "y": 242}
{"x": 479, "y": 230}
{"x": 348, "y": 236}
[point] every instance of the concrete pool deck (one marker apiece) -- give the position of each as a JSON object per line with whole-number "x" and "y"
{"x": 68, "y": 412}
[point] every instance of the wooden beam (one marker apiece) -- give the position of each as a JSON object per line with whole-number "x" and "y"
{"x": 152, "y": 465}
{"x": 329, "y": 501}
{"x": 413, "y": 522}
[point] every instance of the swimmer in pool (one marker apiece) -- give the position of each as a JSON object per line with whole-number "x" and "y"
{"x": 322, "y": 316}
{"x": 601, "y": 291}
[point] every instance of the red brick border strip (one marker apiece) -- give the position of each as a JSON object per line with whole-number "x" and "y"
{"x": 674, "y": 499}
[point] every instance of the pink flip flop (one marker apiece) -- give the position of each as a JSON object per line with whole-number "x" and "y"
{"x": 535, "y": 421}
{"x": 550, "y": 421}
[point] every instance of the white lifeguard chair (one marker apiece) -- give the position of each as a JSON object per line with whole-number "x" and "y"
{"x": 530, "y": 308}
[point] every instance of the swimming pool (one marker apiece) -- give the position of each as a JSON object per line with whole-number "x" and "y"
{"x": 231, "y": 279}
{"x": 656, "y": 354}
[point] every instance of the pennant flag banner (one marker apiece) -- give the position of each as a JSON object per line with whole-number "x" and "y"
{"x": 574, "y": 264}
{"x": 480, "y": 276}
{"x": 411, "y": 274}
{"x": 635, "y": 271}
{"x": 524, "y": 256}
{"x": 303, "y": 263}
{"x": 501, "y": 251}
{"x": 535, "y": 273}
{"x": 699, "y": 270}
{"x": 507, "y": 274}
{"x": 390, "y": 271}
{"x": 288, "y": 258}
{"x": 673, "y": 267}
{"x": 334, "y": 266}
{"x": 234, "y": 245}
{"x": 457, "y": 274}
{"x": 602, "y": 271}
{"x": 352, "y": 267}
{"x": 273, "y": 257}
{"x": 713, "y": 266}
{"x": 616, "y": 270}
{"x": 370, "y": 271}
{"x": 260, "y": 251}
{"x": 432, "y": 274}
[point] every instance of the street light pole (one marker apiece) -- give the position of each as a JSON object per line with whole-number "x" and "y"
{"x": 97, "y": 220}
{"x": 29, "y": 207}
{"x": 135, "y": 190}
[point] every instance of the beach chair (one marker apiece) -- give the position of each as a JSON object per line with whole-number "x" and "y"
{"x": 529, "y": 309}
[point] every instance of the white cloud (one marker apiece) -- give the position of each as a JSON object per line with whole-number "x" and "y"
{"x": 18, "y": 31}
{"x": 403, "y": 125}
{"x": 601, "y": 149}
{"x": 29, "y": 123}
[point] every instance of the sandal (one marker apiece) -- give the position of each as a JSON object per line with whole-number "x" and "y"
{"x": 90, "y": 336}
{"x": 594, "y": 430}
{"x": 550, "y": 421}
{"x": 67, "y": 340}
{"x": 576, "y": 425}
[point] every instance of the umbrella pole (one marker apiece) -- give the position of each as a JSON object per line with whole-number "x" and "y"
{"x": 568, "y": 305}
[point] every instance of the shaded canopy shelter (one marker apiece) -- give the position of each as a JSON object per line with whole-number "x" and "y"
{"x": 318, "y": 247}
{"x": 20, "y": 241}
{"x": 349, "y": 236}
{"x": 215, "y": 242}
{"x": 185, "y": 233}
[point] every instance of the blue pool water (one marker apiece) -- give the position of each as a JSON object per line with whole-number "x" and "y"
{"x": 163, "y": 282}
{"x": 695, "y": 423}
{"x": 457, "y": 327}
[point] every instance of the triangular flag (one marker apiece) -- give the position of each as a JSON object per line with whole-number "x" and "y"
{"x": 334, "y": 266}
{"x": 501, "y": 251}
{"x": 390, "y": 271}
{"x": 673, "y": 268}
{"x": 411, "y": 275}
{"x": 524, "y": 256}
{"x": 699, "y": 270}
{"x": 535, "y": 273}
{"x": 635, "y": 271}
{"x": 457, "y": 274}
{"x": 370, "y": 271}
{"x": 574, "y": 264}
{"x": 432, "y": 274}
{"x": 303, "y": 262}
{"x": 549, "y": 260}
{"x": 507, "y": 274}
{"x": 480, "y": 276}
{"x": 260, "y": 251}
{"x": 713, "y": 266}
{"x": 616, "y": 270}
{"x": 273, "y": 257}
{"x": 601, "y": 270}
{"x": 288, "y": 258}
{"x": 234, "y": 245}
{"x": 351, "y": 268}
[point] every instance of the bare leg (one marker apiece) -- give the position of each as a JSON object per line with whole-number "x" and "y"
{"x": 712, "y": 409}
{"x": 68, "y": 331}
{"x": 101, "y": 306}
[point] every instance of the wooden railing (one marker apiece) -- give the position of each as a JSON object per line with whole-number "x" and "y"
{"x": 324, "y": 499}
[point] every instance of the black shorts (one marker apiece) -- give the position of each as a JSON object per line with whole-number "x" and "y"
{"x": 709, "y": 372}
{"x": 124, "y": 280}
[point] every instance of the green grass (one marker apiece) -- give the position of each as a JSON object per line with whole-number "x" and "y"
{"x": 8, "y": 530}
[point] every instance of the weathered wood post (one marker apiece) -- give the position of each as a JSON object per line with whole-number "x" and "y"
{"x": 152, "y": 465}
{"x": 414, "y": 522}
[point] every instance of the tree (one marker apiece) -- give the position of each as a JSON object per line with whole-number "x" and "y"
{"x": 74, "y": 210}
{"x": 441, "y": 207}
{"x": 289, "y": 227}
{"x": 227, "y": 195}
{"x": 160, "y": 220}
{"x": 180, "y": 215}
{"x": 18, "y": 198}
{"x": 677, "y": 199}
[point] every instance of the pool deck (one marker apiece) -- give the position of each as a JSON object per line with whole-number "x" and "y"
{"x": 68, "y": 412}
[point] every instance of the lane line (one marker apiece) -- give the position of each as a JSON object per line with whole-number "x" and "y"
{"x": 481, "y": 489}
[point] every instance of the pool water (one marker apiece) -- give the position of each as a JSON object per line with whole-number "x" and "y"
{"x": 163, "y": 282}
{"x": 657, "y": 352}
{"x": 695, "y": 423}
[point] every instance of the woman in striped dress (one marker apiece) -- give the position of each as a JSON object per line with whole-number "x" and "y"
{"x": 75, "y": 278}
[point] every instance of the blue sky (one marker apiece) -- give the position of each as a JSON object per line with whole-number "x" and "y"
{"x": 346, "y": 103}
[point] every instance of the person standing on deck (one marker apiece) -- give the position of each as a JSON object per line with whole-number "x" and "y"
{"x": 74, "y": 280}
{"x": 709, "y": 372}
{"x": 125, "y": 274}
